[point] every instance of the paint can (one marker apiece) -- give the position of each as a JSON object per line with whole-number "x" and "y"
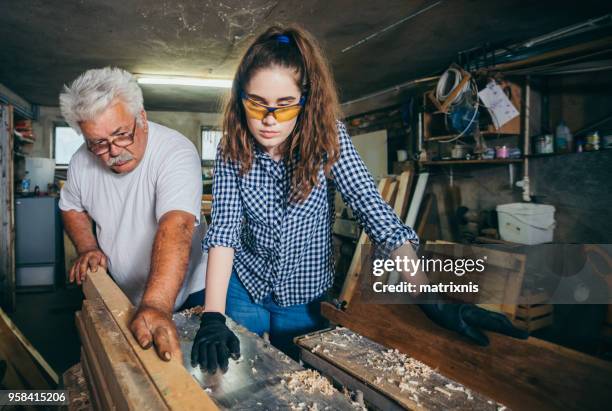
{"x": 501, "y": 152}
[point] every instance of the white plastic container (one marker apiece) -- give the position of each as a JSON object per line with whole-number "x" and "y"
{"x": 526, "y": 223}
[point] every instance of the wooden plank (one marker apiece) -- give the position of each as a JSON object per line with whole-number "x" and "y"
{"x": 532, "y": 325}
{"x": 424, "y": 217}
{"x": 7, "y": 209}
{"x": 11, "y": 380}
{"x": 178, "y": 388}
{"x": 393, "y": 374}
{"x": 128, "y": 382}
{"x": 403, "y": 194}
{"x": 98, "y": 381}
{"x": 415, "y": 204}
{"x": 74, "y": 381}
{"x": 522, "y": 374}
{"x": 7, "y": 324}
{"x": 352, "y": 275}
{"x": 524, "y": 312}
{"x": 18, "y": 356}
{"x": 95, "y": 398}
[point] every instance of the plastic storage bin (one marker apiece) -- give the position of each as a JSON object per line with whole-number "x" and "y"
{"x": 526, "y": 223}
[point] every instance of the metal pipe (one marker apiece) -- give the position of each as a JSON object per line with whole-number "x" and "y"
{"x": 526, "y": 137}
{"x": 389, "y": 27}
{"x": 395, "y": 88}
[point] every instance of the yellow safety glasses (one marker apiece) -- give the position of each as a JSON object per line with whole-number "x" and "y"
{"x": 260, "y": 111}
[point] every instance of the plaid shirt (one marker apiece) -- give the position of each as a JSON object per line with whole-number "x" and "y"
{"x": 284, "y": 248}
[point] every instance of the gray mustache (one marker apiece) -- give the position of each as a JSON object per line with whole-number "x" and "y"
{"x": 125, "y": 156}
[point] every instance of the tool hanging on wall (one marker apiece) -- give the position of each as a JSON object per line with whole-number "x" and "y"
{"x": 456, "y": 95}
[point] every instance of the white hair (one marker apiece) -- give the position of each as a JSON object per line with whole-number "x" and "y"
{"x": 94, "y": 91}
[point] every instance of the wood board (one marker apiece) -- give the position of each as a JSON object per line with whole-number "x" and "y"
{"x": 178, "y": 389}
{"x": 410, "y": 383}
{"x": 352, "y": 275}
{"x": 127, "y": 381}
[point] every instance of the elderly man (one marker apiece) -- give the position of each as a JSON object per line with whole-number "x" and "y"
{"x": 140, "y": 183}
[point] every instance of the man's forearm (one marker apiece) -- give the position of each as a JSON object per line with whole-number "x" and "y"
{"x": 169, "y": 260}
{"x": 78, "y": 226}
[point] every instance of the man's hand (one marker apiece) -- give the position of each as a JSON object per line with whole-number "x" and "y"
{"x": 152, "y": 326}
{"x": 469, "y": 320}
{"x": 214, "y": 343}
{"x": 91, "y": 259}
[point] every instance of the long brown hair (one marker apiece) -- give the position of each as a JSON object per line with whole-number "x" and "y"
{"x": 314, "y": 140}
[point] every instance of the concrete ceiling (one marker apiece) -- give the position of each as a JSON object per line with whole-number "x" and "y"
{"x": 47, "y": 44}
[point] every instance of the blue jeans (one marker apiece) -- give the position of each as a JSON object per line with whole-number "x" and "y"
{"x": 281, "y": 323}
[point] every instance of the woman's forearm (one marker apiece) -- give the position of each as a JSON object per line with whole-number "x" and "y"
{"x": 218, "y": 272}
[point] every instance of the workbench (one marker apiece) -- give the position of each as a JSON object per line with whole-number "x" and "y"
{"x": 387, "y": 378}
{"x": 121, "y": 375}
{"x": 258, "y": 380}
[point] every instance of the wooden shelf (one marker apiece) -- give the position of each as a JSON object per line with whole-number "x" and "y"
{"x": 562, "y": 154}
{"x": 451, "y": 162}
{"x": 483, "y": 133}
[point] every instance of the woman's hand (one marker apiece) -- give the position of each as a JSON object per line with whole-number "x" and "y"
{"x": 214, "y": 344}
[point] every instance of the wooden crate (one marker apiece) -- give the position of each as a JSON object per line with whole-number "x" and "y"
{"x": 535, "y": 314}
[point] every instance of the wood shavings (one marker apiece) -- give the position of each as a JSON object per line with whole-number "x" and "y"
{"x": 197, "y": 310}
{"x": 443, "y": 391}
{"x": 460, "y": 388}
{"x": 308, "y": 381}
{"x": 316, "y": 348}
{"x": 425, "y": 390}
{"x": 405, "y": 387}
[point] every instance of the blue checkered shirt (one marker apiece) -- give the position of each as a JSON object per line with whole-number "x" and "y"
{"x": 284, "y": 248}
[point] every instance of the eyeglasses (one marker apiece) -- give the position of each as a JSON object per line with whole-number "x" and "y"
{"x": 260, "y": 111}
{"x": 122, "y": 140}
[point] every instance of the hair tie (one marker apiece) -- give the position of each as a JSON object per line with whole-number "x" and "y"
{"x": 281, "y": 38}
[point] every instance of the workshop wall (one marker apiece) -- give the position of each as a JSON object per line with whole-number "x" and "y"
{"x": 578, "y": 185}
{"x": 580, "y": 99}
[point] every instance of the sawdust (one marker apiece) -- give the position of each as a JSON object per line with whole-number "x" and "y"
{"x": 389, "y": 367}
{"x": 308, "y": 381}
{"x": 188, "y": 313}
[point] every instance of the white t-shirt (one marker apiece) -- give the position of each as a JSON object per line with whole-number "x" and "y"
{"x": 127, "y": 207}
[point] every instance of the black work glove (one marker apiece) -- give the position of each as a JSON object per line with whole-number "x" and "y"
{"x": 214, "y": 343}
{"x": 469, "y": 320}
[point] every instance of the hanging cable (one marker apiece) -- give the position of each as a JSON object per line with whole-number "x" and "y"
{"x": 447, "y": 83}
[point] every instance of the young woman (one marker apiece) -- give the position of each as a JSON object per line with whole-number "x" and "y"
{"x": 282, "y": 156}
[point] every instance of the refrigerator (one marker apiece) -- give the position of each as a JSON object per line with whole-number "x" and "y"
{"x": 38, "y": 242}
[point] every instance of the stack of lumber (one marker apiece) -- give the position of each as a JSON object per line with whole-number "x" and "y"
{"x": 119, "y": 373}
{"x": 396, "y": 192}
{"x": 21, "y": 365}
